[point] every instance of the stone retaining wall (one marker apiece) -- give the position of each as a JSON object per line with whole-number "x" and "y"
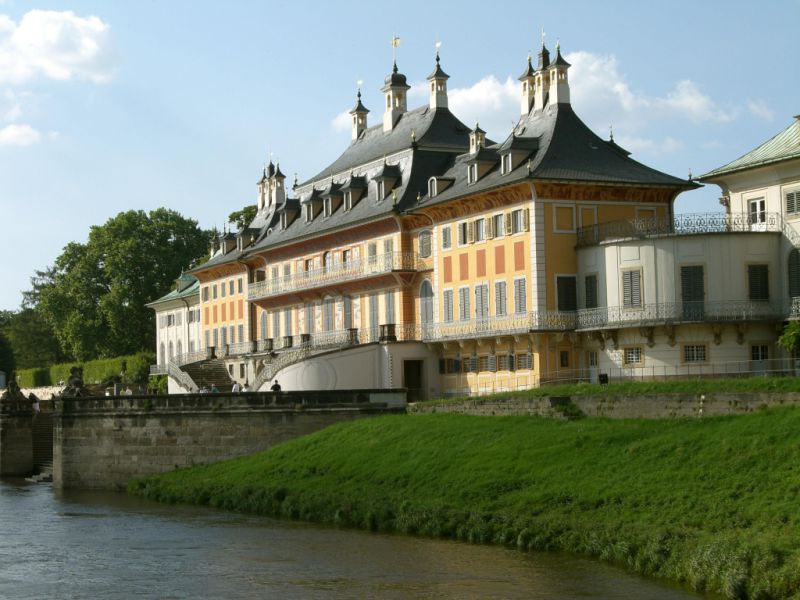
{"x": 656, "y": 406}
{"x": 103, "y": 443}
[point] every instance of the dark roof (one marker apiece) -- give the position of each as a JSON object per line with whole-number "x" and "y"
{"x": 388, "y": 172}
{"x": 559, "y": 61}
{"x": 333, "y": 189}
{"x": 270, "y": 169}
{"x": 544, "y": 58}
{"x": 483, "y": 154}
{"x": 784, "y": 146}
{"x": 354, "y": 183}
{"x": 561, "y": 147}
{"x": 278, "y": 171}
{"x": 521, "y": 144}
{"x": 437, "y": 71}
{"x": 395, "y": 79}
{"x": 359, "y": 108}
{"x": 528, "y": 72}
{"x": 438, "y": 129}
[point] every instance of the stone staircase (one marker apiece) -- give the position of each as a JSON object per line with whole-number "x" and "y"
{"x": 208, "y": 373}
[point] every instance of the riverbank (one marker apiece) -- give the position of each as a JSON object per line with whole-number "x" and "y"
{"x": 711, "y": 503}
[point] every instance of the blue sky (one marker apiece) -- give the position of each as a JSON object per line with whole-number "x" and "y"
{"x": 106, "y": 107}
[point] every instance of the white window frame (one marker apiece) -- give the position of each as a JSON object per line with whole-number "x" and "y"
{"x": 432, "y": 187}
{"x": 498, "y": 232}
{"x": 479, "y": 234}
{"x": 517, "y": 221}
{"x": 794, "y": 193}
{"x": 694, "y": 353}
{"x": 505, "y": 164}
{"x": 635, "y": 358}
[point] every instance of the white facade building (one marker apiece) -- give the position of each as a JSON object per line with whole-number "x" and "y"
{"x": 177, "y": 323}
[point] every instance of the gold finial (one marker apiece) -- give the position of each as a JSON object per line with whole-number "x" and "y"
{"x": 413, "y": 135}
{"x": 395, "y": 44}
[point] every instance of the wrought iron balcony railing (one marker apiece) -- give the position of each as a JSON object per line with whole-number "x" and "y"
{"x": 679, "y": 312}
{"x": 338, "y": 272}
{"x": 686, "y": 224}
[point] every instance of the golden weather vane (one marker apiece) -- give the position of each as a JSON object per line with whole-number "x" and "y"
{"x": 395, "y": 44}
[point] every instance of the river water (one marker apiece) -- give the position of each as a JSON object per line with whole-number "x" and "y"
{"x": 100, "y": 545}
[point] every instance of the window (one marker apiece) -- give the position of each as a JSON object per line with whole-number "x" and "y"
{"x": 216, "y": 338}
{"x": 348, "y": 312}
{"x": 284, "y": 220}
{"x": 230, "y": 287}
{"x": 426, "y": 302}
{"x": 205, "y": 294}
{"x": 389, "y": 302}
{"x": 592, "y": 358}
{"x": 287, "y": 321}
{"x": 327, "y": 314}
{"x": 327, "y": 206}
{"x": 500, "y": 298}
{"x": 520, "y": 296}
{"x": 694, "y": 353}
{"x": 447, "y": 240}
{"x": 463, "y": 228}
{"x": 758, "y": 281}
{"x": 516, "y": 221}
{"x": 309, "y": 213}
{"x": 498, "y": 226}
{"x": 590, "y": 287}
{"x": 381, "y": 190}
{"x": 263, "y": 325}
{"x": 563, "y": 359}
{"x": 483, "y": 363}
{"x": 205, "y": 338}
{"x": 505, "y": 164}
{"x": 233, "y": 335}
{"x": 447, "y": 302}
{"x": 472, "y": 173}
{"x": 481, "y": 301}
{"x": 425, "y": 244}
{"x": 222, "y": 289}
{"x": 432, "y": 187}
{"x": 214, "y": 291}
{"x": 309, "y": 317}
{"x": 348, "y": 200}
{"x": 239, "y": 285}
{"x": 759, "y": 352}
{"x": 224, "y": 335}
{"x": 794, "y": 273}
{"x": 757, "y": 210}
{"x": 502, "y": 362}
{"x": 524, "y": 361}
{"x": 463, "y": 304}
{"x": 631, "y": 289}
{"x": 480, "y": 230}
{"x": 276, "y": 324}
{"x": 287, "y": 270}
{"x": 632, "y": 355}
{"x": 793, "y": 202}
{"x": 566, "y": 288}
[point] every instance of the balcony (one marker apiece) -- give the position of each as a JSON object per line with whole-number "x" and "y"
{"x": 687, "y": 224}
{"x": 339, "y": 272}
{"x": 679, "y": 312}
{"x": 498, "y": 325}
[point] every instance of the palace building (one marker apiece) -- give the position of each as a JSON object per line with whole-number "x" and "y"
{"x": 430, "y": 257}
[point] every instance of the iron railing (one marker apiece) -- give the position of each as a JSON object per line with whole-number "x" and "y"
{"x": 678, "y": 312}
{"x": 338, "y": 272}
{"x": 685, "y": 224}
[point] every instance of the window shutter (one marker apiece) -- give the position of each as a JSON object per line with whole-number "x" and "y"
{"x": 794, "y": 272}
{"x": 567, "y": 297}
{"x": 500, "y": 298}
{"x": 590, "y": 283}
{"x": 448, "y": 305}
{"x": 508, "y": 223}
{"x": 793, "y": 202}
{"x": 473, "y": 364}
{"x": 489, "y": 228}
{"x": 631, "y": 289}
{"x": 519, "y": 296}
{"x": 492, "y": 363}
{"x": 759, "y": 283}
{"x": 526, "y": 219}
{"x": 512, "y": 363}
{"x": 470, "y": 231}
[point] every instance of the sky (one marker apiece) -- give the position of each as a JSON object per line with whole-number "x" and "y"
{"x": 112, "y": 106}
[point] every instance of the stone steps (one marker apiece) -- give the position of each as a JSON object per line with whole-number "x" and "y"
{"x": 208, "y": 373}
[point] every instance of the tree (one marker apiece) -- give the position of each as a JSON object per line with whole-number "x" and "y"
{"x": 32, "y": 340}
{"x": 790, "y": 338}
{"x": 7, "y": 364}
{"x": 94, "y": 296}
{"x": 242, "y": 218}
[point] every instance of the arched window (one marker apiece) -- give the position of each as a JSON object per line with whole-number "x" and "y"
{"x": 326, "y": 262}
{"x": 432, "y": 187}
{"x": 180, "y": 348}
{"x": 171, "y": 351}
{"x": 162, "y": 357}
{"x": 425, "y": 244}
{"x": 794, "y": 273}
{"x": 426, "y": 302}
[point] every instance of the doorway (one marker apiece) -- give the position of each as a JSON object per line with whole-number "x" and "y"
{"x": 412, "y": 379}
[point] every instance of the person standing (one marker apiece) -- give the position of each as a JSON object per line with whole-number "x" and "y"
{"x": 276, "y": 387}
{"x": 236, "y": 388}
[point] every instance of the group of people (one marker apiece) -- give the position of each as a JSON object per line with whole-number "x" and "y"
{"x": 237, "y": 388}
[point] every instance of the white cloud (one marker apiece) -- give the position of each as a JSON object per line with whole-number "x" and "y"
{"x": 341, "y": 122}
{"x": 668, "y": 145}
{"x": 760, "y": 109}
{"x": 490, "y": 102}
{"x": 19, "y": 135}
{"x": 53, "y": 44}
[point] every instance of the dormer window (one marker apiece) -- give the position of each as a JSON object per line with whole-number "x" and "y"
{"x": 381, "y": 190}
{"x": 327, "y": 207}
{"x": 505, "y": 164}
{"x": 348, "y": 200}
{"x": 432, "y": 187}
{"x": 309, "y": 213}
{"x": 284, "y": 220}
{"x": 472, "y": 173}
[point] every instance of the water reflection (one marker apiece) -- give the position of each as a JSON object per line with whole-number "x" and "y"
{"x": 99, "y": 545}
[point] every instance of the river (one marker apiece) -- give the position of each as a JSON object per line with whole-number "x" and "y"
{"x": 100, "y": 545}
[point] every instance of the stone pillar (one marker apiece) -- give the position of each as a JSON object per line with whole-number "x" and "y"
{"x": 16, "y": 437}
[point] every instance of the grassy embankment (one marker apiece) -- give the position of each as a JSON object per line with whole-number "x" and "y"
{"x": 712, "y": 503}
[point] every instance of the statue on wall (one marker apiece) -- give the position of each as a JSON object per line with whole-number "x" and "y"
{"x": 12, "y": 391}
{"x": 75, "y": 387}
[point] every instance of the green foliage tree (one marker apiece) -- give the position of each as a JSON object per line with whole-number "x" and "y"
{"x": 7, "y": 363}
{"x": 94, "y": 296}
{"x": 32, "y": 340}
{"x": 242, "y": 218}
{"x": 790, "y": 338}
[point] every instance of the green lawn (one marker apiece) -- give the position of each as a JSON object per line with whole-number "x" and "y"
{"x": 712, "y": 503}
